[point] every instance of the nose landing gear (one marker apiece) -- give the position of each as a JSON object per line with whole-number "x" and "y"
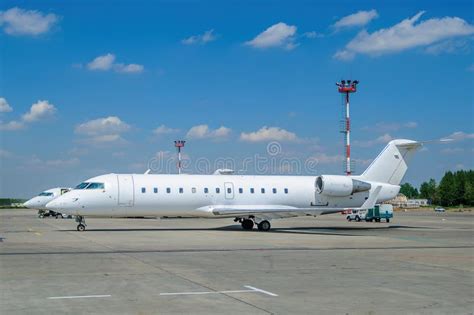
{"x": 82, "y": 223}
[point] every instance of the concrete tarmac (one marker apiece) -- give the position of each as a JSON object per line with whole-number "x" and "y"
{"x": 420, "y": 263}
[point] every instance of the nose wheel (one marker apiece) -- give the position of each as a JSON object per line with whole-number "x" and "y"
{"x": 81, "y": 227}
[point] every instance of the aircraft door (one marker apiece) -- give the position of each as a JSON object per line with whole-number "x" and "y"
{"x": 229, "y": 190}
{"x": 126, "y": 192}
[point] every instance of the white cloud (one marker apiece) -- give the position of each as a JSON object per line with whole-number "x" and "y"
{"x": 269, "y": 134}
{"x": 312, "y": 35}
{"x": 344, "y": 55}
{"x": 460, "y": 135}
{"x": 4, "y": 106}
{"x": 102, "y": 63}
{"x": 384, "y": 139}
{"x": 450, "y": 46}
{"x": 130, "y": 68}
{"x": 107, "y": 62}
{"x": 360, "y": 18}
{"x": 406, "y": 35}
{"x": 101, "y": 126}
{"x": 16, "y": 21}
{"x": 12, "y": 125}
{"x": 164, "y": 130}
{"x": 203, "y": 132}
{"x": 204, "y": 38}
{"x": 38, "y": 111}
{"x": 277, "y": 35}
{"x": 103, "y": 130}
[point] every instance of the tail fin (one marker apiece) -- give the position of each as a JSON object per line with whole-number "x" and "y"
{"x": 392, "y": 163}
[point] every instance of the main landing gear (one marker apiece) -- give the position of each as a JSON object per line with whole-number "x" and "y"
{"x": 247, "y": 224}
{"x": 82, "y": 223}
{"x": 264, "y": 226}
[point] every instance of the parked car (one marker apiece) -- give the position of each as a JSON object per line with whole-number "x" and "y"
{"x": 63, "y": 216}
{"x": 356, "y": 215}
{"x": 57, "y": 215}
{"x": 439, "y": 209}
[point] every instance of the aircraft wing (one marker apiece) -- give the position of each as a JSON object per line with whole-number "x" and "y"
{"x": 269, "y": 211}
{"x": 281, "y": 211}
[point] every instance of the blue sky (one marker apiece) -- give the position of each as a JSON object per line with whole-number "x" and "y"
{"x": 85, "y": 86}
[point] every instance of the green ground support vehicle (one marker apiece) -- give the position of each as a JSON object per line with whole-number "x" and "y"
{"x": 379, "y": 212}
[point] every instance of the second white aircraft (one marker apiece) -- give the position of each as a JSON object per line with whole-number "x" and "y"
{"x": 251, "y": 200}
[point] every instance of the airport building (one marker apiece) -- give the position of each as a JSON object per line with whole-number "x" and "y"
{"x": 401, "y": 201}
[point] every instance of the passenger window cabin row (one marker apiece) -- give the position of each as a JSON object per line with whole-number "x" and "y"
{"x": 218, "y": 190}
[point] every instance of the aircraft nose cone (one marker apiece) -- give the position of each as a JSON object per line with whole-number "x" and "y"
{"x": 28, "y": 204}
{"x": 63, "y": 205}
{"x": 52, "y": 205}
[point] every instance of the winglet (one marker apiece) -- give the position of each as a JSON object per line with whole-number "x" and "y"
{"x": 370, "y": 202}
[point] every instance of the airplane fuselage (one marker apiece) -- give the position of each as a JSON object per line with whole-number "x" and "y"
{"x": 119, "y": 195}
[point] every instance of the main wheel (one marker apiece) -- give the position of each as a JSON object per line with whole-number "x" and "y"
{"x": 388, "y": 220}
{"x": 357, "y": 218}
{"x": 81, "y": 227}
{"x": 264, "y": 226}
{"x": 247, "y": 224}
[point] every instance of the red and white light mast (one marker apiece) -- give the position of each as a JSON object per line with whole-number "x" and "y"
{"x": 179, "y": 144}
{"x": 347, "y": 87}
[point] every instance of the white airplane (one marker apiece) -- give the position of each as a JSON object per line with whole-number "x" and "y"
{"x": 39, "y": 202}
{"x": 249, "y": 199}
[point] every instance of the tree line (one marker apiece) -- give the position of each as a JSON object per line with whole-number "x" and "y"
{"x": 454, "y": 189}
{"x": 10, "y": 201}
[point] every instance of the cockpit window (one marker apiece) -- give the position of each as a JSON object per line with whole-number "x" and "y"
{"x": 82, "y": 186}
{"x": 95, "y": 186}
{"x": 47, "y": 194}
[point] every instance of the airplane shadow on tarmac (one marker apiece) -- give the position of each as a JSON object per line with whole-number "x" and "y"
{"x": 336, "y": 230}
